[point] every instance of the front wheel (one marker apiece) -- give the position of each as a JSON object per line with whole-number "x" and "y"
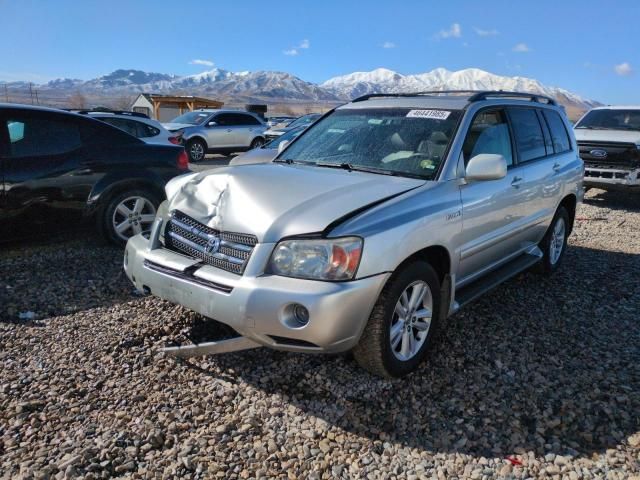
{"x": 402, "y": 324}
{"x": 554, "y": 243}
{"x": 127, "y": 214}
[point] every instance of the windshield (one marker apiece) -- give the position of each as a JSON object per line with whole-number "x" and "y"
{"x": 617, "y": 119}
{"x": 192, "y": 118}
{"x": 285, "y": 137}
{"x": 397, "y": 141}
{"x": 305, "y": 120}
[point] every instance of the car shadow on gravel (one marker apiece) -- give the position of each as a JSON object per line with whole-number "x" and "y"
{"x": 628, "y": 201}
{"x": 59, "y": 274}
{"x": 542, "y": 364}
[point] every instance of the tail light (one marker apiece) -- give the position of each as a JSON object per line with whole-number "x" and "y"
{"x": 175, "y": 140}
{"x": 183, "y": 160}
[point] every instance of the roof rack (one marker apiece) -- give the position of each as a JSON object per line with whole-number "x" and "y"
{"x": 475, "y": 95}
{"x": 114, "y": 112}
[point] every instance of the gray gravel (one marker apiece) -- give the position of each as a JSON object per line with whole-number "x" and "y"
{"x": 540, "y": 379}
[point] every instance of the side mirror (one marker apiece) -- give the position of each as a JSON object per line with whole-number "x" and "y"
{"x": 282, "y": 145}
{"x": 486, "y": 166}
{"x": 212, "y": 124}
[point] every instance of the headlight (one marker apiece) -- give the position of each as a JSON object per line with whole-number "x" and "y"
{"x": 325, "y": 259}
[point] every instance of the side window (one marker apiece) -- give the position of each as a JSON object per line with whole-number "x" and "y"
{"x": 128, "y": 126}
{"x": 224, "y": 119}
{"x": 528, "y": 133}
{"x": 489, "y": 133}
{"x": 243, "y": 119}
{"x": 31, "y": 136}
{"x": 559, "y": 135}
{"x": 96, "y": 133}
{"x": 146, "y": 131}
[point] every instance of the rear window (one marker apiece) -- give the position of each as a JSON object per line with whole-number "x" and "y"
{"x": 528, "y": 133}
{"x": 559, "y": 135}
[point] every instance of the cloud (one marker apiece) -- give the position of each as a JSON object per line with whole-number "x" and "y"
{"x": 486, "y": 33}
{"x": 206, "y": 63}
{"x": 521, "y": 48}
{"x": 388, "y": 45}
{"x": 454, "y": 32}
{"x": 293, "y": 51}
{"x": 623, "y": 69}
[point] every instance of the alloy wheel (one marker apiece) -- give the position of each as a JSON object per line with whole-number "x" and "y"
{"x": 132, "y": 216}
{"x": 411, "y": 320}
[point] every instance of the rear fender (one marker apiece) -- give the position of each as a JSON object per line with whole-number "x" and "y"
{"x": 117, "y": 181}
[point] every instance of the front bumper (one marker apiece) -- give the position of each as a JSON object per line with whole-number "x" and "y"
{"x": 256, "y": 305}
{"x": 611, "y": 177}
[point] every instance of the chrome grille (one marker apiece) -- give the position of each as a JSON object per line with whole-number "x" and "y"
{"x": 186, "y": 235}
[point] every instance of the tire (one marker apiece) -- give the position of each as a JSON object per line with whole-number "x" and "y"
{"x": 142, "y": 205}
{"x": 196, "y": 149}
{"x": 374, "y": 351}
{"x": 256, "y": 143}
{"x": 554, "y": 243}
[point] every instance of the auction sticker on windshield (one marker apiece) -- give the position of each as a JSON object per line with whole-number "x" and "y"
{"x": 433, "y": 114}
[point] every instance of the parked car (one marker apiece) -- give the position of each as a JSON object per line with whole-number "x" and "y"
{"x": 279, "y": 121}
{"x": 57, "y": 167}
{"x": 303, "y": 121}
{"x": 371, "y": 228}
{"x": 220, "y": 131}
{"x": 138, "y": 125}
{"x": 268, "y": 151}
{"x": 609, "y": 142}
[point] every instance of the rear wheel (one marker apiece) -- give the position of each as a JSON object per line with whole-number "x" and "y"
{"x": 127, "y": 214}
{"x": 402, "y": 324}
{"x": 196, "y": 149}
{"x": 554, "y": 243}
{"x": 256, "y": 143}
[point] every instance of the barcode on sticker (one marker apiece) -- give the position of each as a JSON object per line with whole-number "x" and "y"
{"x": 434, "y": 114}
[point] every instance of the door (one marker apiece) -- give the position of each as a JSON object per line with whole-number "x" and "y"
{"x": 541, "y": 167}
{"x": 220, "y": 134}
{"x": 245, "y": 129}
{"x": 43, "y": 170}
{"x": 4, "y": 150}
{"x": 491, "y": 209}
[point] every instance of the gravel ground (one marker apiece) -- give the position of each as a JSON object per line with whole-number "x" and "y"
{"x": 539, "y": 379}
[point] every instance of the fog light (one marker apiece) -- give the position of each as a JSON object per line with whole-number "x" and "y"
{"x": 301, "y": 314}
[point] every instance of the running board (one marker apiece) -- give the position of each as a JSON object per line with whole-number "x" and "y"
{"x": 476, "y": 289}
{"x": 211, "y": 348}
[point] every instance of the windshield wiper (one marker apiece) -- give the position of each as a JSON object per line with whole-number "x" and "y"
{"x": 288, "y": 161}
{"x": 355, "y": 168}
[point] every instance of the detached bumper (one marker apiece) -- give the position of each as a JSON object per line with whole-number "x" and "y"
{"x": 256, "y": 305}
{"x": 611, "y": 178}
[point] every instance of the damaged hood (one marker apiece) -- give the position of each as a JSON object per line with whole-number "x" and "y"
{"x": 275, "y": 200}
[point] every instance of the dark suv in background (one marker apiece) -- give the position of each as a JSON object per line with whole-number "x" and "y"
{"x": 59, "y": 168}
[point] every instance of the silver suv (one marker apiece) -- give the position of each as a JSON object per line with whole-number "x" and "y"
{"x": 371, "y": 227}
{"x": 220, "y": 131}
{"x": 609, "y": 143}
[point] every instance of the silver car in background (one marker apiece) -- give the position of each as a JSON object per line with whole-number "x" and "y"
{"x": 269, "y": 150}
{"x": 218, "y": 131}
{"x": 371, "y": 228}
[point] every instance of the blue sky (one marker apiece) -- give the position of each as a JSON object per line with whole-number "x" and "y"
{"x": 589, "y": 47}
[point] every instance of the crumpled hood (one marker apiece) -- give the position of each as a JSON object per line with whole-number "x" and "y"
{"x": 172, "y": 127}
{"x": 627, "y": 136}
{"x": 275, "y": 200}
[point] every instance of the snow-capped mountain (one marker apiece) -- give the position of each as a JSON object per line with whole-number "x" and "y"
{"x": 387, "y": 81}
{"x": 216, "y": 82}
{"x": 269, "y": 86}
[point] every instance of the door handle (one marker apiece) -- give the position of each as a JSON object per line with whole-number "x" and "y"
{"x": 228, "y": 129}
{"x": 516, "y": 182}
{"x": 84, "y": 171}
{"x": 556, "y": 167}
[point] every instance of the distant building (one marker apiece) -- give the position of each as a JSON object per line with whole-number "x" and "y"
{"x": 166, "y": 107}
